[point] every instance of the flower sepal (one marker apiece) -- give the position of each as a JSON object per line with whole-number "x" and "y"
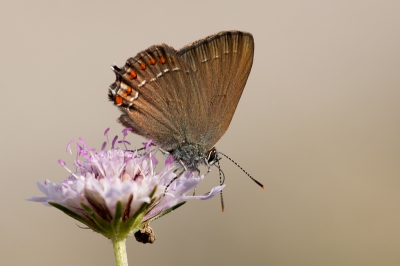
{"x": 77, "y": 217}
{"x": 166, "y": 212}
{"x": 122, "y": 224}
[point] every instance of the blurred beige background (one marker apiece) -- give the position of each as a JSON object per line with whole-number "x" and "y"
{"x": 318, "y": 124}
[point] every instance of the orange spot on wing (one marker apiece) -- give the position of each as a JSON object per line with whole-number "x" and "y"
{"x": 132, "y": 75}
{"x": 118, "y": 99}
{"x": 142, "y": 66}
{"x": 152, "y": 61}
{"x": 161, "y": 59}
{"x": 129, "y": 90}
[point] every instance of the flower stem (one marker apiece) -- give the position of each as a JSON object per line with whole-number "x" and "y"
{"x": 121, "y": 258}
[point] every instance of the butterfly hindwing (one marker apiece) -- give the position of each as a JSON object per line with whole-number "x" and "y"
{"x": 159, "y": 94}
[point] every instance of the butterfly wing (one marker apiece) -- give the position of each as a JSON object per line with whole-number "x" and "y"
{"x": 223, "y": 62}
{"x": 160, "y": 97}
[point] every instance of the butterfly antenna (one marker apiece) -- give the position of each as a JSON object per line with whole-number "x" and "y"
{"x": 221, "y": 182}
{"x": 252, "y": 178}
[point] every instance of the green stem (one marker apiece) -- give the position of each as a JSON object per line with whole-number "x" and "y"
{"x": 121, "y": 258}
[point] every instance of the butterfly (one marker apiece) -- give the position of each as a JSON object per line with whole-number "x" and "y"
{"x": 184, "y": 100}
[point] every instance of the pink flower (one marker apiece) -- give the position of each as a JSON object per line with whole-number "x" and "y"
{"x": 116, "y": 192}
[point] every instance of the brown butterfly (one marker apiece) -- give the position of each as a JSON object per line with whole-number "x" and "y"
{"x": 184, "y": 100}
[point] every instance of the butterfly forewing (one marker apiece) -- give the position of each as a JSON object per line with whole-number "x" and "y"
{"x": 164, "y": 97}
{"x": 223, "y": 62}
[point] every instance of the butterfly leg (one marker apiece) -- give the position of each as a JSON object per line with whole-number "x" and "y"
{"x": 164, "y": 151}
{"x": 211, "y": 163}
{"x": 198, "y": 174}
{"x": 175, "y": 178}
{"x": 221, "y": 182}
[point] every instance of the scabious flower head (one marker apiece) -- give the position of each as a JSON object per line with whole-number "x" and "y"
{"x": 117, "y": 192}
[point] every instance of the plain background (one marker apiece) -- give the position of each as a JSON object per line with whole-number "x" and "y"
{"x": 318, "y": 124}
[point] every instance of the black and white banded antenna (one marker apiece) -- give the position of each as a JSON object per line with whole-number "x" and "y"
{"x": 244, "y": 171}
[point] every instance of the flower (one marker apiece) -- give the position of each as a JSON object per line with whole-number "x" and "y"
{"x": 117, "y": 192}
